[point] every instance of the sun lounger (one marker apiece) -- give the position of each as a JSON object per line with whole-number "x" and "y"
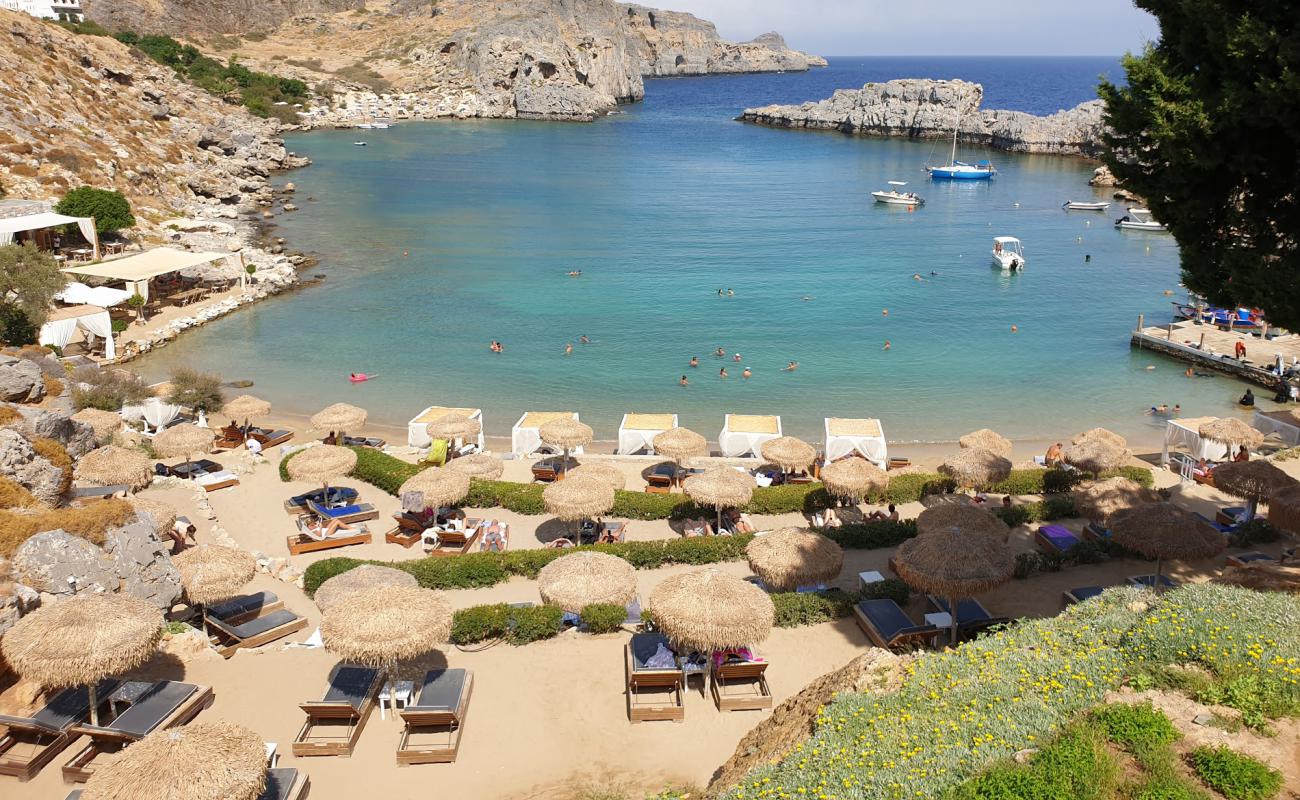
{"x": 269, "y": 438}
{"x": 334, "y": 723}
{"x": 228, "y": 637}
{"x": 435, "y": 720}
{"x": 356, "y": 512}
{"x": 157, "y": 706}
{"x": 1082, "y": 593}
{"x": 452, "y": 541}
{"x": 633, "y": 619}
{"x": 887, "y": 626}
{"x": 1223, "y": 528}
{"x": 661, "y": 478}
{"x": 741, "y": 686}
{"x": 191, "y": 469}
{"x": 1093, "y": 532}
{"x": 245, "y": 607}
{"x": 697, "y": 527}
{"x": 308, "y": 541}
{"x": 285, "y": 783}
{"x": 551, "y": 469}
{"x": 654, "y": 691}
{"x": 212, "y": 481}
{"x": 338, "y": 496}
{"x": 1232, "y": 515}
{"x": 29, "y": 743}
{"x": 972, "y": 617}
{"x": 1054, "y": 539}
{"x": 1149, "y": 581}
{"x": 1242, "y": 559}
{"x": 494, "y": 536}
{"x": 86, "y": 493}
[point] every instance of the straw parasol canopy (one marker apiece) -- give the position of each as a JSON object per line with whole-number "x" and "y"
{"x": 792, "y": 557}
{"x": 680, "y": 444}
{"x": 1098, "y": 500}
{"x": 381, "y": 625}
{"x": 707, "y": 610}
{"x": 161, "y": 514}
{"x": 1232, "y": 432}
{"x": 578, "y": 580}
{"x": 789, "y": 453}
{"x": 83, "y": 639}
{"x": 337, "y": 589}
{"x": 453, "y": 426}
{"x": 207, "y": 760}
{"x": 246, "y": 407}
{"x": 211, "y": 573}
{"x": 104, "y": 423}
{"x": 578, "y": 498}
{"x": 1163, "y": 530}
{"x": 853, "y": 479}
{"x": 565, "y": 432}
{"x": 954, "y": 561}
{"x": 1102, "y": 434}
{"x": 985, "y": 439}
{"x": 478, "y": 465}
{"x": 962, "y": 518}
{"x": 439, "y": 486}
{"x": 1096, "y": 455}
{"x": 721, "y": 487}
{"x": 111, "y": 465}
{"x": 1253, "y": 481}
{"x": 603, "y": 472}
{"x": 1284, "y": 509}
{"x": 339, "y": 417}
{"x": 322, "y": 463}
{"x": 976, "y": 468}
{"x": 184, "y": 440}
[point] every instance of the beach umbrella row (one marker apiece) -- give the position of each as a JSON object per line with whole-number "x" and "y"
{"x": 1096, "y": 455}
{"x": 985, "y": 439}
{"x": 707, "y": 610}
{"x": 335, "y": 591}
{"x": 565, "y": 433}
{"x": 1162, "y": 531}
{"x": 479, "y": 465}
{"x": 578, "y": 498}
{"x": 976, "y": 468}
{"x": 322, "y": 463}
{"x": 577, "y": 580}
{"x": 1252, "y": 481}
{"x": 788, "y": 453}
{"x": 339, "y": 418}
{"x": 680, "y": 444}
{"x": 1099, "y": 500}
{"x": 437, "y": 486}
{"x": 211, "y": 573}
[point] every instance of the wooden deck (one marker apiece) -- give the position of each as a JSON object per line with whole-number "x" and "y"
{"x": 1210, "y": 348}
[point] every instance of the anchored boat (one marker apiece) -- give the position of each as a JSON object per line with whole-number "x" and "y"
{"x": 956, "y": 170}
{"x": 1008, "y": 253}
{"x": 1138, "y": 219}
{"x": 897, "y": 197}
{"x": 1075, "y": 205}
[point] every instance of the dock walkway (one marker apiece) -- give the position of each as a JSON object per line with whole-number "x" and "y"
{"x": 1209, "y": 347}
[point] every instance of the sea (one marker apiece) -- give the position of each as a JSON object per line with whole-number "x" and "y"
{"x": 694, "y": 232}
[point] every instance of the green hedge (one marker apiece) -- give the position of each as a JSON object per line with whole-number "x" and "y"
{"x": 795, "y": 609}
{"x": 603, "y": 617}
{"x": 518, "y": 625}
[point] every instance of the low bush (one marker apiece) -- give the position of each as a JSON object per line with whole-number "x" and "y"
{"x": 1257, "y": 531}
{"x": 1076, "y": 766}
{"x": 1140, "y": 728}
{"x": 1167, "y": 786}
{"x": 89, "y": 522}
{"x": 1234, "y": 775}
{"x": 200, "y": 391}
{"x": 9, "y": 416}
{"x": 870, "y": 535}
{"x": 15, "y": 495}
{"x": 534, "y": 623}
{"x": 57, "y": 455}
{"x": 470, "y": 571}
{"x": 107, "y": 389}
{"x": 603, "y": 617}
{"x": 1026, "y": 564}
{"x": 888, "y": 589}
{"x": 796, "y": 609}
{"x": 480, "y": 623}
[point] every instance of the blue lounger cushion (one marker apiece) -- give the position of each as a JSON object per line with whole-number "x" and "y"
{"x": 1218, "y": 526}
{"x": 888, "y": 619}
{"x": 1061, "y": 539}
{"x": 1086, "y": 592}
{"x": 441, "y": 690}
{"x": 968, "y": 610}
{"x": 1149, "y": 581}
{"x": 337, "y": 495}
{"x": 279, "y": 782}
{"x": 644, "y": 646}
{"x": 244, "y": 604}
{"x": 351, "y": 685}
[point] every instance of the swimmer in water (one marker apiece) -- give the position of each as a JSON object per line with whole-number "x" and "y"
{"x": 736, "y": 357}
{"x": 684, "y": 382}
{"x": 746, "y": 373}
{"x": 730, "y": 293}
{"x": 917, "y": 277}
{"x": 568, "y": 349}
{"x": 695, "y": 362}
{"x": 721, "y": 352}
{"x": 583, "y": 338}
{"x": 791, "y": 367}
{"x": 1014, "y": 329}
{"x": 806, "y": 298}
{"x": 722, "y": 373}
{"x": 406, "y": 252}
{"x": 1190, "y": 373}
{"x": 884, "y": 312}
{"x": 574, "y": 273}
{"x": 887, "y": 345}
{"x": 721, "y": 293}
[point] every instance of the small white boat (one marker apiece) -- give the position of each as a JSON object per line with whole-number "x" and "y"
{"x": 897, "y": 197}
{"x": 1138, "y": 219}
{"x": 1075, "y": 205}
{"x": 359, "y": 144}
{"x": 379, "y": 125}
{"x": 1008, "y": 253}
{"x": 365, "y": 125}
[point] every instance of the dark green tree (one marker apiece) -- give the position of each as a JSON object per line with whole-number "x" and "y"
{"x": 110, "y": 209}
{"x": 29, "y": 279}
{"x": 1207, "y": 129}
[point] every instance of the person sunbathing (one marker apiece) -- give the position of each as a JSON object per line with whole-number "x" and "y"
{"x": 317, "y": 529}
{"x": 880, "y": 516}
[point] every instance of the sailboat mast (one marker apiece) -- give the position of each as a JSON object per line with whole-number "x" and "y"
{"x": 952, "y": 159}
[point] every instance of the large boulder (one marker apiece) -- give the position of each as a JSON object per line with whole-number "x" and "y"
{"x": 20, "y": 462}
{"x": 143, "y": 564}
{"x": 77, "y": 438}
{"x": 58, "y": 563}
{"x": 21, "y": 382}
{"x": 16, "y": 602}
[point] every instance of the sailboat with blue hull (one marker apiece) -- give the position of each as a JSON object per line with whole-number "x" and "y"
{"x": 956, "y": 170}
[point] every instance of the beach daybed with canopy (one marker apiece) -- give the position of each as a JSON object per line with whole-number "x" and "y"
{"x": 154, "y": 413}
{"x": 136, "y": 271}
{"x": 80, "y": 294}
{"x": 1184, "y": 434}
{"x": 865, "y": 437}
{"x": 744, "y": 434}
{"x": 93, "y": 321}
{"x": 36, "y": 222}
{"x": 637, "y": 431}
{"x": 1284, "y": 424}
{"x": 526, "y": 436}
{"x": 417, "y": 430}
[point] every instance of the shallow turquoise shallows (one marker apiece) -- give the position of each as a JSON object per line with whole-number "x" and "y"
{"x": 439, "y": 237}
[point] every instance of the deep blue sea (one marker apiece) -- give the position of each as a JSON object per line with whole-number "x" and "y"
{"x": 439, "y": 237}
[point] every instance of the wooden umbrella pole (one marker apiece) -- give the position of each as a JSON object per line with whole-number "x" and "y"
{"x": 952, "y": 612}
{"x": 94, "y": 712}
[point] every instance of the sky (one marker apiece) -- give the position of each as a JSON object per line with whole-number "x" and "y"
{"x": 933, "y": 27}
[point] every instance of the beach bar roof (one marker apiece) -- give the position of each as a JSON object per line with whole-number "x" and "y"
{"x": 864, "y": 437}
{"x": 137, "y": 270}
{"x": 526, "y": 436}
{"x": 36, "y": 222}
{"x": 744, "y": 434}
{"x": 417, "y": 433}
{"x": 1185, "y": 434}
{"x": 637, "y": 431}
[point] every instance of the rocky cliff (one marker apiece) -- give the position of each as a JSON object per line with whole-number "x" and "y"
{"x": 927, "y": 109}
{"x": 172, "y": 17}
{"x": 675, "y": 43}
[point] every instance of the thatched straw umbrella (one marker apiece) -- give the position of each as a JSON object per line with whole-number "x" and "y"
{"x": 104, "y": 423}
{"x": 480, "y": 465}
{"x": 82, "y": 640}
{"x": 951, "y": 517}
{"x": 438, "y": 486}
{"x": 1163, "y": 530}
{"x": 382, "y": 625}
{"x": 184, "y": 440}
{"x": 954, "y": 562}
{"x": 339, "y": 418}
{"x": 976, "y": 468}
{"x": 578, "y": 580}
{"x": 603, "y": 472}
{"x": 578, "y": 499}
{"x": 1252, "y": 481}
{"x": 852, "y": 479}
{"x": 1284, "y": 509}
{"x": 161, "y": 514}
{"x": 1099, "y": 500}
{"x": 1231, "y": 432}
{"x": 322, "y": 463}
{"x": 719, "y": 488}
{"x": 1102, "y": 434}
{"x": 211, "y": 573}
{"x": 453, "y": 427}
{"x": 985, "y": 439}
{"x": 1096, "y": 455}
{"x": 337, "y": 589}
{"x": 788, "y": 453}
{"x": 680, "y": 444}
{"x": 247, "y": 408}
{"x": 792, "y": 557}
{"x": 110, "y": 465}
{"x": 565, "y": 433}
{"x": 206, "y": 760}
{"x": 707, "y": 610}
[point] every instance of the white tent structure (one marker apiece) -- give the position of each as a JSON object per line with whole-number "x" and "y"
{"x": 136, "y": 271}
{"x": 638, "y": 431}
{"x": 865, "y": 437}
{"x": 81, "y": 294}
{"x": 1281, "y": 423}
{"x": 417, "y": 434}
{"x": 744, "y": 434}
{"x": 154, "y": 413}
{"x": 526, "y": 439}
{"x": 36, "y": 222}
{"x": 1184, "y": 435}
{"x": 92, "y": 321}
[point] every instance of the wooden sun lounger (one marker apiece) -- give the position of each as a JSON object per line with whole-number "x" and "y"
{"x": 163, "y": 705}
{"x": 1242, "y": 559}
{"x": 1093, "y": 532}
{"x": 1149, "y": 581}
{"x": 647, "y": 686}
{"x": 285, "y": 783}
{"x": 887, "y": 626}
{"x": 184, "y": 469}
{"x": 455, "y": 543}
{"x": 1080, "y": 594}
{"x": 212, "y": 481}
{"x": 245, "y": 607}
{"x": 1054, "y": 539}
{"x": 661, "y": 479}
{"x": 227, "y": 637}
{"x": 29, "y": 743}
{"x": 349, "y": 514}
{"x": 335, "y": 722}
{"x": 339, "y": 495}
{"x": 302, "y": 543}
{"x": 437, "y": 714}
{"x": 85, "y": 493}
{"x": 408, "y": 533}
{"x": 268, "y": 438}
{"x": 741, "y": 686}
{"x": 972, "y": 617}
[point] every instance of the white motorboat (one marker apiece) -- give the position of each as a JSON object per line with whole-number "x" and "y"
{"x": 359, "y": 144}
{"x": 1008, "y": 253}
{"x": 365, "y": 125}
{"x": 897, "y": 197}
{"x": 1075, "y": 205}
{"x": 1138, "y": 219}
{"x": 379, "y": 125}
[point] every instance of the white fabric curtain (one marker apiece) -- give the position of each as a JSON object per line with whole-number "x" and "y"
{"x": 1288, "y": 433}
{"x": 58, "y": 332}
{"x": 100, "y": 325}
{"x": 871, "y": 448}
{"x": 632, "y": 440}
{"x": 1177, "y": 436}
{"x": 6, "y": 237}
{"x": 138, "y": 287}
{"x": 87, "y": 227}
{"x": 158, "y": 414}
{"x": 734, "y": 445}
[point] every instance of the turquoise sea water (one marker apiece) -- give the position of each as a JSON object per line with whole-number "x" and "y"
{"x": 665, "y": 203}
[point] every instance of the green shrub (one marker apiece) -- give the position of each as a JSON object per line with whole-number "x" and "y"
{"x": 107, "y": 389}
{"x": 470, "y": 571}
{"x": 480, "y": 623}
{"x": 534, "y": 623}
{"x": 643, "y": 505}
{"x": 200, "y": 391}
{"x": 870, "y": 535}
{"x": 888, "y": 589}
{"x": 912, "y": 486}
{"x": 16, "y": 327}
{"x": 1234, "y": 775}
{"x": 1076, "y": 766}
{"x": 1257, "y": 531}
{"x": 603, "y": 617}
{"x": 383, "y": 471}
{"x": 795, "y": 609}
{"x": 1139, "y": 728}
{"x": 1167, "y": 786}
{"x": 1026, "y": 564}
{"x": 110, "y": 208}
{"x": 1086, "y": 552}
{"x": 321, "y": 571}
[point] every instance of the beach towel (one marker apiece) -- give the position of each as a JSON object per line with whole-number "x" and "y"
{"x": 663, "y": 658}
{"x": 437, "y": 452}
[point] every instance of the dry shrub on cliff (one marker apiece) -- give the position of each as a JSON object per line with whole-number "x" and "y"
{"x": 15, "y": 495}
{"x": 89, "y": 522}
{"x": 9, "y": 416}
{"x": 55, "y": 453}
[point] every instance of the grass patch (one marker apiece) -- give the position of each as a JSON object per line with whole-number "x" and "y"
{"x": 1077, "y": 766}
{"x": 1234, "y": 775}
{"x": 1139, "y": 728}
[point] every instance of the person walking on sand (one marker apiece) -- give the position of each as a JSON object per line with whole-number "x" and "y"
{"x": 746, "y": 373}
{"x": 695, "y": 361}
{"x": 1239, "y": 350}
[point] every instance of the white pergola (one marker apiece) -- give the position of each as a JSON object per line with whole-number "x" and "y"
{"x": 10, "y": 226}
{"x": 137, "y": 270}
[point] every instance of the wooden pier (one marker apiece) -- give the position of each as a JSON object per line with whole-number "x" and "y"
{"x": 1209, "y": 347}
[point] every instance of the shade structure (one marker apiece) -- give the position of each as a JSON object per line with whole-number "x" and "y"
{"x": 381, "y": 625}
{"x": 1252, "y": 481}
{"x": 211, "y": 573}
{"x": 453, "y": 426}
{"x": 788, "y": 558}
{"x": 161, "y": 514}
{"x": 1099, "y": 500}
{"x": 438, "y": 485}
{"x": 205, "y": 760}
{"x": 707, "y": 610}
{"x": 565, "y": 433}
{"x": 578, "y": 580}
{"x": 853, "y": 479}
{"x": 953, "y": 561}
{"x": 578, "y": 498}
{"x": 605, "y": 473}
{"x": 336, "y": 590}
{"x": 950, "y": 517}
{"x": 83, "y": 639}
{"x": 340, "y": 417}
{"x": 719, "y": 488}
{"x": 1096, "y": 455}
{"x": 246, "y": 407}
{"x": 1163, "y": 530}
{"x": 479, "y": 465}
{"x": 111, "y": 465}
{"x": 1284, "y": 509}
{"x": 1102, "y": 434}
{"x": 322, "y": 463}
{"x": 976, "y": 468}
{"x": 1232, "y": 432}
{"x": 104, "y": 423}
{"x": 789, "y": 453}
{"x": 681, "y": 445}
{"x": 985, "y": 439}
{"x": 184, "y": 440}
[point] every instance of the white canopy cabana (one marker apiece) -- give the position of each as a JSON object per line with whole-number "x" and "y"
{"x": 1184, "y": 435}
{"x": 154, "y": 412}
{"x": 637, "y": 431}
{"x": 37, "y": 222}
{"x": 526, "y": 439}
{"x": 93, "y": 321}
{"x": 865, "y": 437}
{"x": 744, "y": 434}
{"x": 137, "y": 270}
{"x": 81, "y": 294}
{"x": 1280, "y": 423}
{"x": 417, "y": 434}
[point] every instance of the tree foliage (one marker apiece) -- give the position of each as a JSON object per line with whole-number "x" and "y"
{"x": 29, "y": 279}
{"x": 1207, "y": 129}
{"x": 110, "y": 209}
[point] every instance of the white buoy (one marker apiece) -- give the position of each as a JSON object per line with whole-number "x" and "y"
{"x": 1078, "y": 239}
{"x": 1015, "y": 205}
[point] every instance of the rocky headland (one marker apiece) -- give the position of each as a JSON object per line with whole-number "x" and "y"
{"x": 927, "y": 109}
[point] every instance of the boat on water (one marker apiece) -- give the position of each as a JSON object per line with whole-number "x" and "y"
{"x": 956, "y": 170}
{"x": 897, "y": 197}
{"x": 1236, "y": 318}
{"x": 1008, "y": 253}
{"x": 1076, "y": 205}
{"x": 380, "y": 125}
{"x": 365, "y": 125}
{"x": 1138, "y": 219}
{"x": 358, "y": 144}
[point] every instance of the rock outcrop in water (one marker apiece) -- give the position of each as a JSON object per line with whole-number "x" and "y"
{"x": 927, "y": 109}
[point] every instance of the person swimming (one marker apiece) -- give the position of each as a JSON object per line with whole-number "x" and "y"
{"x": 1014, "y": 329}
{"x": 684, "y": 382}
{"x": 887, "y": 345}
{"x": 495, "y": 346}
{"x": 574, "y": 273}
{"x": 730, "y": 293}
{"x": 746, "y": 373}
{"x": 695, "y": 362}
{"x": 791, "y": 367}
{"x": 583, "y": 339}
{"x": 721, "y": 352}
{"x": 568, "y": 349}
{"x": 916, "y": 276}
{"x": 736, "y": 357}
{"x": 722, "y": 373}
{"x": 721, "y": 292}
